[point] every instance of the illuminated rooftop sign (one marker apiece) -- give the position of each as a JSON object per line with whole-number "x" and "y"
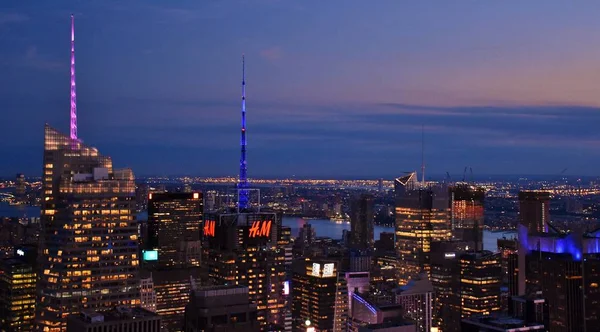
{"x": 260, "y": 228}
{"x": 150, "y": 255}
{"x": 209, "y": 228}
{"x": 316, "y": 270}
{"x": 328, "y": 270}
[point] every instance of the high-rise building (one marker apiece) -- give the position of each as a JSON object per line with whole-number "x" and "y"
{"x": 173, "y": 252}
{"x": 422, "y": 216}
{"x": 361, "y": 222}
{"x": 416, "y": 297}
{"x": 121, "y": 319}
{"x": 509, "y": 260}
{"x": 445, "y": 279}
{"x": 563, "y": 269}
{"x": 20, "y": 186}
{"x": 88, "y": 254}
{"x": 466, "y": 202}
{"x": 174, "y": 222}
{"x": 221, "y": 309}
{"x": 17, "y": 295}
{"x": 242, "y": 249}
{"x": 147, "y": 293}
{"x": 534, "y": 210}
{"x": 480, "y": 280}
{"x": 466, "y": 283}
{"x": 320, "y": 297}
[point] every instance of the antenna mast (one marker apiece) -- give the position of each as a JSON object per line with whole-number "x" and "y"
{"x": 73, "y": 92}
{"x": 243, "y": 180}
{"x": 423, "y": 155}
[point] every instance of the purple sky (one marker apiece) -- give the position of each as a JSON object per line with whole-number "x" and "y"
{"x": 335, "y": 88}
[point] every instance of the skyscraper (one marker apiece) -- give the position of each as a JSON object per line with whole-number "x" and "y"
{"x": 534, "y": 210}
{"x": 20, "y": 186}
{"x": 174, "y": 221}
{"x": 422, "y": 216}
{"x": 416, "y": 297}
{"x": 480, "y": 280}
{"x": 241, "y": 249}
{"x": 320, "y": 296}
{"x": 563, "y": 268}
{"x": 467, "y": 213}
{"x": 173, "y": 244}
{"x": 17, "y": 295}
{"x": 361, "y": 222}
{"x": 88, "y": 255}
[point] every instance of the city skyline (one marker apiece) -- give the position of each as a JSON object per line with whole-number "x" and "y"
{"x": 317, "y": 100}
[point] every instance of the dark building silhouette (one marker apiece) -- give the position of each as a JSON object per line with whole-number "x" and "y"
{"x": 509, "y": 260}
{"x": 534, "y": 210}
{"x": 173, "y": 251}
{"x": 117, "y": 319}
{"x": 361, "y": 222}
{"x": 221, "y": 309}
{"x": 174, "y": 222}
{"x": 20, "y": 186}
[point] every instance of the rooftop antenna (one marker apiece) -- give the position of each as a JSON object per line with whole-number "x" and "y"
{"x": 423, "y": 154}
{"x": 243, "y": 196}
{"x": 73, "y": 93}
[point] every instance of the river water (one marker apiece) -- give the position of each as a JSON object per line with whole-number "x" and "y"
{"x": 327, "y": 228}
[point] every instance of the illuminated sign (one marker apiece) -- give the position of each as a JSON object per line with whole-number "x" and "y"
{"x": 449, "y": 255}
{"x": 328, "y": 270}
{"x": 286, "y": 288}
{"x": 150, "y": 196}
{"x": 209, "y": 228}
{"x": 316, "y": 270}
{"x": 150, "y": 255}
{"x": 196, "y": 195}
{"x": 260, "y": 228}
{"x": 20, "y": 252}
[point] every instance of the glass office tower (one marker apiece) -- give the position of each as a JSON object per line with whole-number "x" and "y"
{"x": 88, "y": 254}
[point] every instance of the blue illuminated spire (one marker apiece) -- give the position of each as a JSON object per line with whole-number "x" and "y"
{"x": 243, "y": 196}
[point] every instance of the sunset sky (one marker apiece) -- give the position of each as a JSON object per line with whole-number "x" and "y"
{"x": 335, "y": 88}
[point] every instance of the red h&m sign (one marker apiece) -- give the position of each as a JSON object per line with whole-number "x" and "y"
{"x": 209, "y": 228}
{"x": 260, "y": 228}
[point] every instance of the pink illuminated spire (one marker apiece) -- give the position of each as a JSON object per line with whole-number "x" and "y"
{"x": 73, "y": 93}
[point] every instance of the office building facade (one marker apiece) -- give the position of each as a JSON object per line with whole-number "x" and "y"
{"x": 120, "y": 319}
{"x": 320, "y": 296}
{"x": 17, "y": 295}
{"x": 221, "y": 309}
{"x": 361, "y": 222}
{"x": 88, "y": 254}
{"x": 173, "y": 251}
{"x": 174, "y": 223}
{"x": 422, "y": 217}
{"x": 242, "y": 249}
{"x": 467, "y": 204}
